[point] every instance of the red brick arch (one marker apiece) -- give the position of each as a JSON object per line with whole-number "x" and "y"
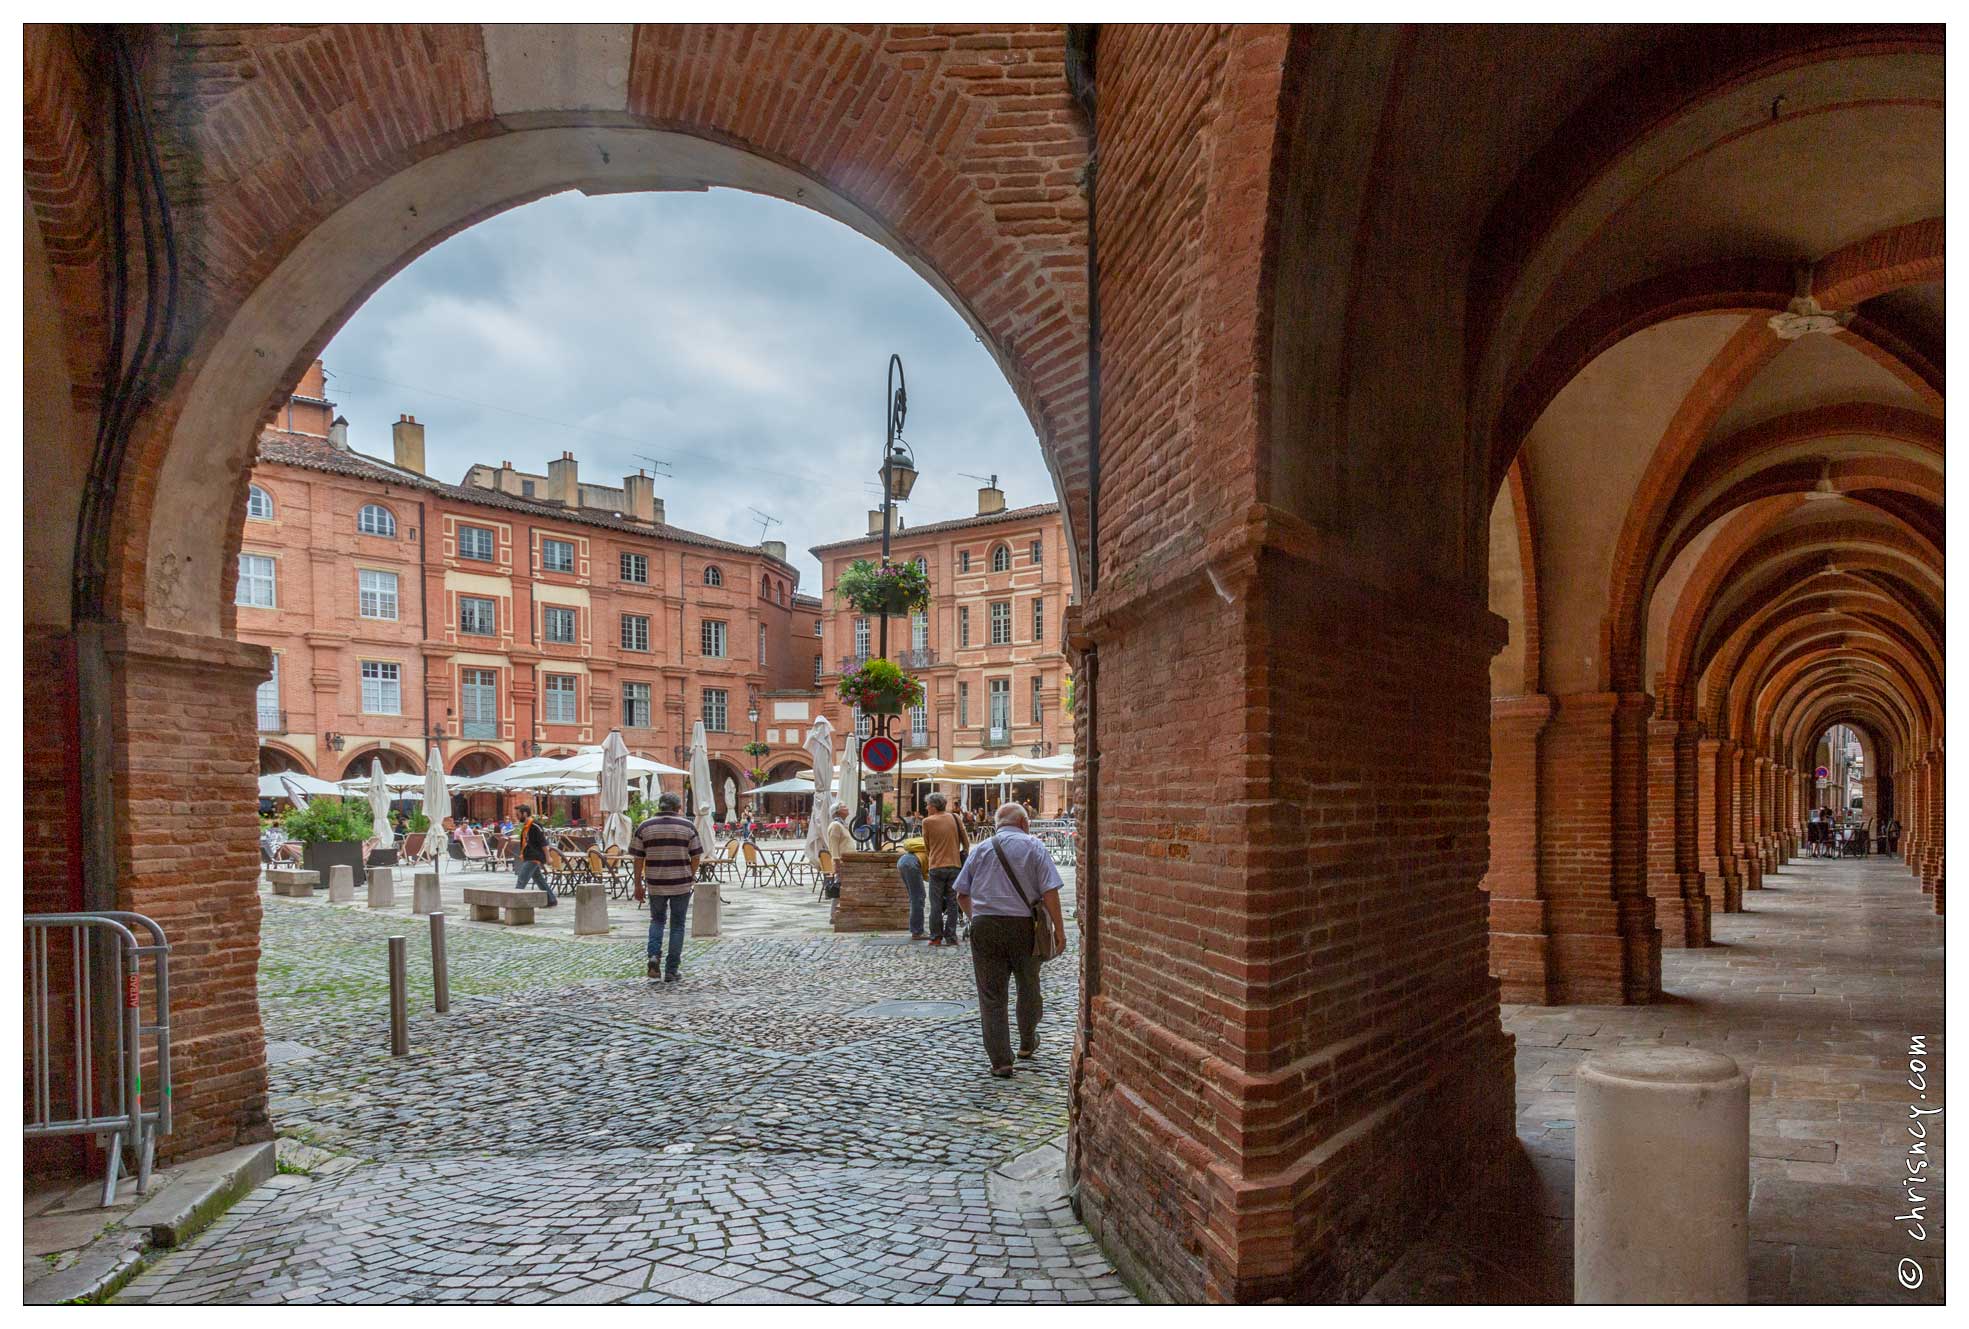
{"x": 327, "y": 159}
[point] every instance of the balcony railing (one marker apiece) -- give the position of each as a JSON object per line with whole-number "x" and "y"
{"x": 479, "y": 729}
{"x": 909, "y": 657}
{"x": 270, "y": 721}
{"x": 997, "y": 738}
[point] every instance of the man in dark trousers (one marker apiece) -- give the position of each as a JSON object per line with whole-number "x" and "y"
{"x": 1004, "y": 879}
{"x": 945, "y": 845}
{"x": 667, "y": 851}
{"x": 533, "y": 857}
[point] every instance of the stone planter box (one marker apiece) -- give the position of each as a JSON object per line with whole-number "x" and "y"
{"x": 321, "y": 855}
{"x": 873, "y": 898}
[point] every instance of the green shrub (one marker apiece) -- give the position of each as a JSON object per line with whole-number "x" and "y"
{"x": 334, "y": 819}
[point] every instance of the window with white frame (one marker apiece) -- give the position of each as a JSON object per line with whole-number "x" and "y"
{"x": 963, "y": 703}
{"x": 919, "y": 631}
{"x": 382, "y": 688}
{"x": 1001, "y": 558}
{"x": 259, "y": 503}
{"x": 635, "y": 567}
{"x": 478, "y": 703}
{"x": 556, "y": 555}
{"x": 923, "y": 566}
{"x": 816, "y": 627}
{"x": 557, "y": 624}
{"x": 561, "y": 698}
{"x": 711, "y": 638}
{"x": 919, "y": 725}
{"x": 1001, "y": 622}
{"x": 713, "y": 710}
{"x": 255, "y": 581}
{"x": 963, "y": 625}
{"x": 1039, "y": 620}
{"x": 267, "y": 701}
{"x": 762, "y": 643}
{"x": 1038, "y": 552}
{"x": 861, "y": 638}
{"x": 635, "y": 632}
{"x": 712, "y": 576}
{"x": 376, "y": 594}
{"x": 1001, "y": 707}
{"x": 635, "y": 706}
{"x": 375, "y": 519}
{"x": 475, "y": 542}
{"x": 963, "y": 560}
{"x": 1036, "y": 707}
{"x": 478, "y": 616}
{"x": 816, "y": 671}
{"x": 864, "y": 724}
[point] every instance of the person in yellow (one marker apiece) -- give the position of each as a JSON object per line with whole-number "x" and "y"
{"x": 910, "y": 868}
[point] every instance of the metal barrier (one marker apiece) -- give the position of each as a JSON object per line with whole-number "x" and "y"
{"x": 96, "y": 940}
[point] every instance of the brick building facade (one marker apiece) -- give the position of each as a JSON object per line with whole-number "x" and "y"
{"x": 990, "y": 651}
{"x": 509, "y": 614}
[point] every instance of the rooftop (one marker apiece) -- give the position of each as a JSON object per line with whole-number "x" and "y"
{"x": 988, "y": 519}
{"x": 313, "y": 454}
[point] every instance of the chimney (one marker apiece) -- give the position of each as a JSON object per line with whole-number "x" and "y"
{"x": 875, "y": 521}
{"x": 990, "y": 499}
{"x": 408, "y": 436}
{"x": 774, "y": 549}
{"x": 563, "y": 482}
{"x": 338, "y": 433}
{"x": 508, "y": 479}
{"x": 639, "y": 495}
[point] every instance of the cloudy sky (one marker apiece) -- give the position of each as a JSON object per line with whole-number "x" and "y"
{"x": 739, "y": 339}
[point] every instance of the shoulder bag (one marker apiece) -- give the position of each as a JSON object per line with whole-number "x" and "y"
{"x": 1045, "y": 945}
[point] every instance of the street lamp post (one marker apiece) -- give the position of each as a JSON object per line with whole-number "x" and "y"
{"x": 898, "y": 478}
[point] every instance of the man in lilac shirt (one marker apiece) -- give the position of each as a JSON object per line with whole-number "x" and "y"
{"x": 1000, "y": 909}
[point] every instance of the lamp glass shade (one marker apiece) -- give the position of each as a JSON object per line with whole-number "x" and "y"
{"x": 902, "y": 474}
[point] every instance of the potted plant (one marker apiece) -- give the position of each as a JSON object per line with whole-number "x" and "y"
{"x": 879, "y": 687}
{"x": 419, "y": 822}
{"x": 331, "y": 832}
{"x": 892, "y": 592}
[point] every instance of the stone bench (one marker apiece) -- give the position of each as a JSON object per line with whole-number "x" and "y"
{"x": 493, "y": 904}
{"x": 293, "y": 881}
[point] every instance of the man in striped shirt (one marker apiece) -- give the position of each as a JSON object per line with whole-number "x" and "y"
{"x": 667, "y": 850}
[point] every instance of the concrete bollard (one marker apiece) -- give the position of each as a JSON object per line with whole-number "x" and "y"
{"x": 382, "y": 887}
{"x": 1661, "y": 1186}
{"x": 399, "y": 997}
{"x": 341, "y": 884}
{"x": 424, "y": 898}
{"x": 440, "y": 967}
{"x": 704, "y": 909}
{"x": 590, "y": 910}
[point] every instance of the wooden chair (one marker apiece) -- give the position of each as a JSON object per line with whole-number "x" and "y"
{"x": 756, "y": 866}
{"x": 413, "y": 847}
{"x": 826, "y": 871}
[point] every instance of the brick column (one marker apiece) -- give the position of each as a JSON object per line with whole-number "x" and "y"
{"x": 186, "y": 845}
{"x": 1592, "y": 850}
{"x": 1743, "y": 836}
{"x": 1520, "y": 930}
{"x": 1714, "y": 854}
{"x": 1934, "y": 817}
{"x": 1914, "y": 781}
{"x": 873, "y": 897}
{"x": 1681, "y": 907}
{"x": 1762, "y": 822}
{"x": 1786, "y": 794}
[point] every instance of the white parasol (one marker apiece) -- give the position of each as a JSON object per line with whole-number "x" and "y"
{"x": 701, "y": 787}
{"x": 379, "y": 806}
{"x": 847, "y": 780}
{"x": 615, "y": 792}
{"x": 295, "y": 786}
{"x": 799, "y": 784}
{"x": 437, "y": 801}
{"x": 820, "y": 749}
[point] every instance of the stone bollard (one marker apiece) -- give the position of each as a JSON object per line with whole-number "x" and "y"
{"x": 590, "y": 910}
{"x": 293, "y": 882}
{"x": 341, "y": 884}
{"x": 424, "y": 898}
{"x": 704, "y": 909}
{"x": 1661, "y": 1187}
{"x": 382, "y": 887}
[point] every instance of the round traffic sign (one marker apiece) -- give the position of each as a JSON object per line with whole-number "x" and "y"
{"x": 879, "y": 753}
{"x": 1822, "y": 773}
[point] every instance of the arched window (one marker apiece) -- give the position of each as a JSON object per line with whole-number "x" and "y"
{"x": 1001, "y": 558}
{"x": 713, "y": 577}
{"x": 259, "y": 503}
{"x": 376, "y": 520}
{"x": 923, "y": 565}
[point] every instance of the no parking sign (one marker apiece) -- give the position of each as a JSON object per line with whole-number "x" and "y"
{"x": 879, "y": 753}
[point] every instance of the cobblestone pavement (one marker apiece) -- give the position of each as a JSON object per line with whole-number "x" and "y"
{"x": 760, "y": 1132}
{"x": 1816, "y": 991}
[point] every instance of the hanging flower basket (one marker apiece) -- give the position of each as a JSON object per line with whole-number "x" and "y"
{"x": 880, "y": 688}
{"x": 893, "y": 592}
